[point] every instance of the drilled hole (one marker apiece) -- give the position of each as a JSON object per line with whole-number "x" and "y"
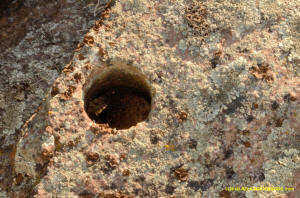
{"x": 119, "y": 96}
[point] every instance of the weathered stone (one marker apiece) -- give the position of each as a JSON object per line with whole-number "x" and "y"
{"x": 197, "y": 138}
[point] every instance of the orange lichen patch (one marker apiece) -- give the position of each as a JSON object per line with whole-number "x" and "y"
{"x": 77, "y": 77}
{"x": 182, "y": 116}
{"x": 68, "y": 68}
{"x": 196, "y": 15}
{"x": 68, "y": 93}
{"x": 114, "y": 195}
{"x": 80, "y": 57}
{"x": 263, "y": 72}
{"x": 293, "y": 98}
{"x": 19, "y": 178}
{"x": 100, "y": 23}
{"x": 92, "y": 157}
{"x": 112, "y": 162}
{"x": 102, "y": 52}
{"x": 87, "y": 66}
{"x": 122, "y": 156}
{"x": 101, "y": 128}
{"x": 79, "y": 46}
{"x": 89, "y": 40}
{"x": 181, "y": 174}
{"x": 126, "y": 172}
{"x": 255, "y": 105}
{"x": 55, "y": 90}
{"x": 170, "y": 147}
{"x": 105, "y": 14}
{"x": 97, "y": 25}
{"x": 224, "y": 194}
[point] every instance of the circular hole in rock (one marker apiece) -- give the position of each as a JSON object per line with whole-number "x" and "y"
{"x": 118, "y": 95}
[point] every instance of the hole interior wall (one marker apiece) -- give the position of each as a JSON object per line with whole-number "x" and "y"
{"x": 126, "y": 76}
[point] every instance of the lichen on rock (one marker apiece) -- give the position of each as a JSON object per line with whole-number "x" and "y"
{"x": 224, "y": 113}
{"x": 227, "y": 83}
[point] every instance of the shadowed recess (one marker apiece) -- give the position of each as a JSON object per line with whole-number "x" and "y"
{"x": 118, "y": 95}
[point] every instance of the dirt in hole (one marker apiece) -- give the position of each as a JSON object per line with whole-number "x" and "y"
{"x": 120, "y": 107}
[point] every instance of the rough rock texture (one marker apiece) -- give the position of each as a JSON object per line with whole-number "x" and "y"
{"x": 37, "y": 39}
{"x": 225, "y": 111}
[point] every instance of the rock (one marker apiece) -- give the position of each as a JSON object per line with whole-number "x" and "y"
{"x": 37, "y": 41}
{"x": 100, "y": 123}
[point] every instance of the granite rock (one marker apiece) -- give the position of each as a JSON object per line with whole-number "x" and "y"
{"x": 224, "y": 105}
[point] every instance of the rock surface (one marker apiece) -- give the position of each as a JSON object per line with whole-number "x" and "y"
{"x": 37, "y": 40}
{"x": 225, "y": 105}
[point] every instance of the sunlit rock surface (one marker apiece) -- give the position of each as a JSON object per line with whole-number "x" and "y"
{"x": 222, "y": 82}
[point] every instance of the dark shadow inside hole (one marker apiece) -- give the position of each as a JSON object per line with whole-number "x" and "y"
{"x": 120, "y": 107}
{"x": 118, "y": 95}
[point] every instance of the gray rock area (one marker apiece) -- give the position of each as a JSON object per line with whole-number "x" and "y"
{"x": 166, "y": 98}
{"x": 37, "y": 39}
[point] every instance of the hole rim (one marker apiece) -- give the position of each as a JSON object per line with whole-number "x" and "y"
{"x": 105, "y": 77}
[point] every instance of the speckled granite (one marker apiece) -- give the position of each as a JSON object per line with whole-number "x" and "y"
{"x": 37, "y": 40}
{"x": 225, "y": 106}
